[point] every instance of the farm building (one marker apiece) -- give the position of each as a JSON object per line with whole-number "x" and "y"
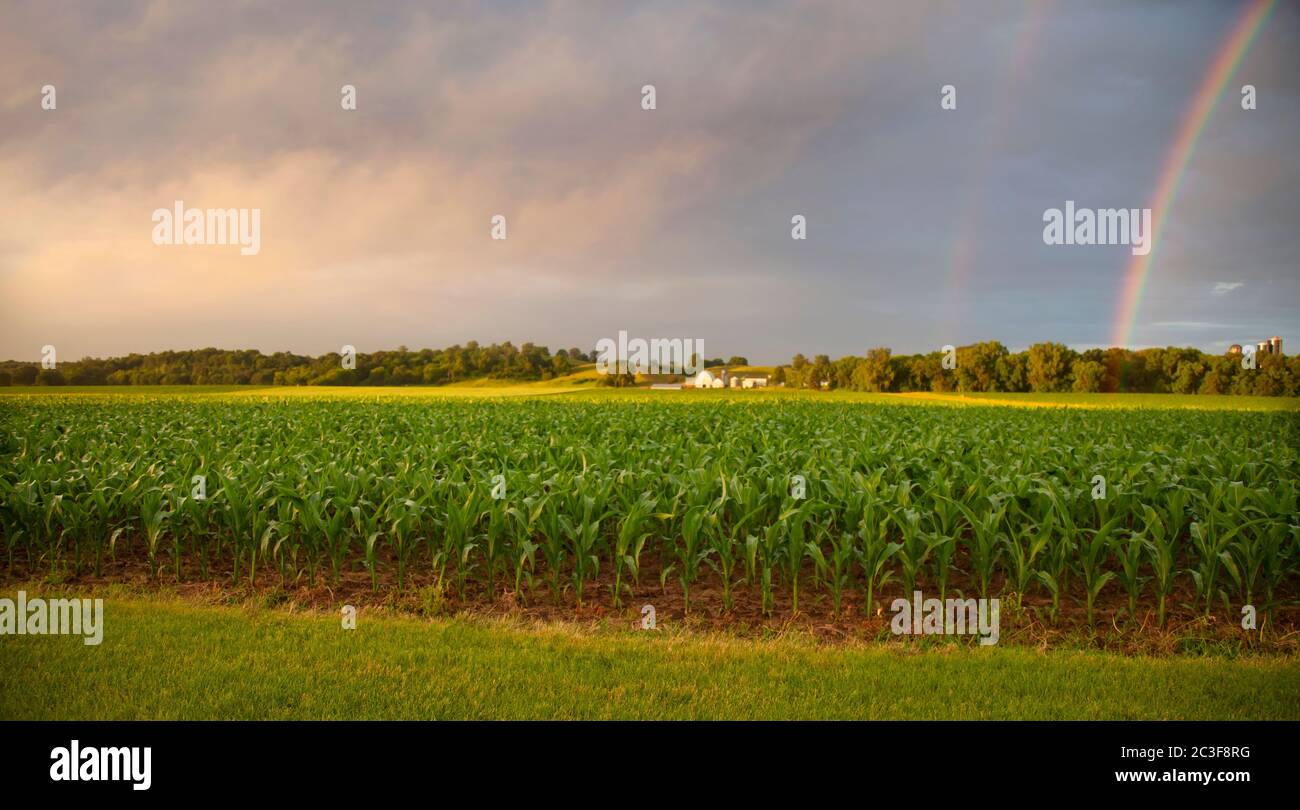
{"x": 709, "y": 379}
{"x": 723, "y": 378}
{"x": 1271, "y": 346}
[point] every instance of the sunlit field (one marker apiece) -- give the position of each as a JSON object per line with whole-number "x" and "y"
{"x": 602, "y": 496}
{"x": 585, "y": 385}
{"x": 788, "y": 517}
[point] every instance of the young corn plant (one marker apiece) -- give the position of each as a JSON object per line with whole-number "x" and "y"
{"x": 403, "y": 529}
{"x": 837, "y": 570}
{"x": 582, "y": 535}
{"x": 1060, "y": 552}
{"x": 1249, "y": 552}
{"x": 1162, "y": 554}
{"x": 328, "y": 520}
{"x": 461, "y": 513}
{"x": 768, "y": 551}
{"x": 235, "y": 509}
{"x": 915, "y": 548}
{"x": 795, "y": 522}
{"x": 729, "y": 550}
{"x": 187, "y": 520}
{"x": 75, "y": 522}
{"x": 1223, "y": 503}
{"x": 553, "y": 546}
{"x": 365, "y": 524}
{"x": 985, "y": 545}
{"x": 943, "y": 535}
{"x": 1024, "y": 543}
{"x": 1281, "y": 553}
{"x": 1222, "y": 541}
{"x": 1094, "y": 552}
{"x": 1130, "y": 554}
{"x": 493, "y": 539}
{"x": 54, "y": 536}
{"x": 692, "y": 549}
{"x": 12, "y": 526}
{"x": 153, "y": 518}
{"x": 874, "y": 555}
{"x": 629, "y": 541}
{"x": 524, "y": 554}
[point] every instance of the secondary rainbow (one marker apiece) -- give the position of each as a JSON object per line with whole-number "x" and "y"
{"x": 1221, "y": 71}
{"x": 1013, "y": 71}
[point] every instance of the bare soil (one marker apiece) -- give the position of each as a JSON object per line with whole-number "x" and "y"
{"x": 1187, "y": 629}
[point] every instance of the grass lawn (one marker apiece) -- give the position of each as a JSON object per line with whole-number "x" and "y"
{"x": 168, "y": 659}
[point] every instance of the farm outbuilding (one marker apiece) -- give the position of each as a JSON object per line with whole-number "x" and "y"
{"x": 724, "y": 378}
{"x": 709, "y": 379}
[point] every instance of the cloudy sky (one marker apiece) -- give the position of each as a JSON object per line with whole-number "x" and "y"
{"x": 924, "y": 225}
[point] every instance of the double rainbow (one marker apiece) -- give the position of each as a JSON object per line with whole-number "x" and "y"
{"x": 1221, "y": 71}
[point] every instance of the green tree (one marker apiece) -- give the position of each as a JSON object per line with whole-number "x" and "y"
{"x": 1088, "y": 376}
{"x": 977, "y": 366}
{"x": 797, "y": 376}
{"x": 1013, "y": 372}
{"x": 821, "y": 371}
{"x": 1218, "y": 379}
{"x": 876, "y": 372}
{"x": 1049, "y": 367}
{"x": 1188, "y": 377}
{"x": 843, "y": 372}
{"x": 49, "y": 376}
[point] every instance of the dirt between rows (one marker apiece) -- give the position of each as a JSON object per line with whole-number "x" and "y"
{"x": 1187, "y": 628}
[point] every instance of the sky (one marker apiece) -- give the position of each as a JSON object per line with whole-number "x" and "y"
{"x": 924, "y": 224}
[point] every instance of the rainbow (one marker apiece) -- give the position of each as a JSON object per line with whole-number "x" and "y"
{"x": 1013, "y": 71}
{"x": 1194, "y": 122}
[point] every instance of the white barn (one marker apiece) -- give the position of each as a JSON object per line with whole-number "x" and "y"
{"x": 707, "y": 379}
{"x": 722, "y": 378}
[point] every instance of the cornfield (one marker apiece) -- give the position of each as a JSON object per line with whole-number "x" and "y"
{"x": 584, "y": 501}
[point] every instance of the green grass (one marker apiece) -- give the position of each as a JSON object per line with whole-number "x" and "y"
{"x": 162, "y": 659}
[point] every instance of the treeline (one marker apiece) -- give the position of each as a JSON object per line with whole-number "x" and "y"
{"x": 1049, "y": 368}
{"x": 250, "y": 367}
{"x": 1044, "y": 367}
